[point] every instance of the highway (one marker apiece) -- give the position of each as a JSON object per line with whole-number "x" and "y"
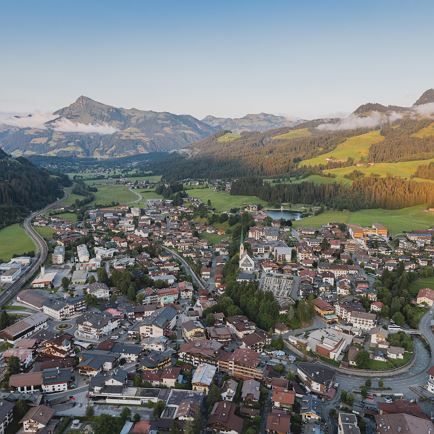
{"x": 40, "y": 254}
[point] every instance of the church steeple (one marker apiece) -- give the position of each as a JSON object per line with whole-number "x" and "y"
{"x": 242, "y": 243}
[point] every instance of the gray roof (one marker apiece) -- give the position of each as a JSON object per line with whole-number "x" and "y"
{"x": 161, "y": 317}
{"x": 5, "y": 409}
{"x": 319, "y": 374}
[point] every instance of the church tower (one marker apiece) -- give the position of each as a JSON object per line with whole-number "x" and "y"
{"x": 242, "y": 250}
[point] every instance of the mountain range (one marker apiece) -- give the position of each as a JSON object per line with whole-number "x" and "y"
{"x": 88, "y": 128}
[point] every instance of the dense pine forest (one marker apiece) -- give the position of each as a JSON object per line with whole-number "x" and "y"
{"x": 25, "y": 187}
{"x": 365, "y": 192}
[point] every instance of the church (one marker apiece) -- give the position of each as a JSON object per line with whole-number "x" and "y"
{"x": 246, "y": 262}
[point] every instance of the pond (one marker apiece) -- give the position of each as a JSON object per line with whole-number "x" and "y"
{"x": 277, "y": 214}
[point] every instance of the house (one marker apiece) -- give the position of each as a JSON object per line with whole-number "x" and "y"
{"x": 425, "y": 296}
{"x": 202, "y": 377}
{"x": 29, "y": 382}
{"x": 105, "y": 383}
{"x": 44, "y": 280}
{"x": 83, "y": 253}
{"x": 229, "y": 390}
{"x": 166, "y": 377}
{"x": 193, "y": 330}
{"x": 251, "y": 391}
{"x": 325, "y": 310}
{"x": 157, "y": 360}
{"x": 37, "y": 418}
{"x": 6, "y": 414}
{"x": 362, "y": 320}
{"x": 57, "y": 379}
{"x": 95, "y": 325}
{"x": 58, "y": 256}
{"x": 282, "y": 398}
{"x": 317, "y": 378}
{"x": 99, "y": 290}
{"x": 310, "y": 409}
{"x": 203, "y": 351}
{"x": 224, "y": 419}
{"x": 242, "y": 363}
{"x": 347, "y": 423}
{"x": 379, "y": 337}
{"x": 430, "y": 384}
{"x": 159, "y": 323}
{"x": 94, "y": 361}
{"x": 278, "y": 422}
{"x": 402, "y": 423}
{"x": 24, "y": 328}
{"x": 395, "y": 352}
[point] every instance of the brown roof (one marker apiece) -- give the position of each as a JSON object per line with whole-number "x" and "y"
{"x": 401, "y": 406}
{"x": 278, "y": 421}
{"x": 41, "y": 414}
{"x": 427, "y": 293}
{"x": 284, "y": 397}
{"x": 26, "y": 379}
{"x": 246, "y": 357}
{"x": 403, "y": 423}
{"x": 223, "y": 417}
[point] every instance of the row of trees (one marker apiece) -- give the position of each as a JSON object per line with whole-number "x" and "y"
{"x": 365, "y": 192}
{"x": 425, "y": 171}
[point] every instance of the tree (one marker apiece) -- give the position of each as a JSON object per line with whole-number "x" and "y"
{"x": 91, "y": 279}
{"x": 90, "y": 411}
{"x": 159, "y": 408}
{"x": 368, "y": 382}
{"x": 131, "y": 293}
{"x": 398, "y": 318}
{"x": 65, "y": 283}
{"x": 106, "y": 424}
{"x": 4, "y": 320}
{"x": 125, "y": 414}
{"x": 102, "y": 275}
{"x": 381, "y": 384}
{"x": 136, "y": 417}
{"x": 362, "y": 359}
{"x": 174, "y": 429}
{"x": 14, "y": 365}
{"x": 364, "y": 392}
{"x": 214, "y": 396}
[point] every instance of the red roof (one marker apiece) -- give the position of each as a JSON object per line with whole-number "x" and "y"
{"x": 427, "y": 293}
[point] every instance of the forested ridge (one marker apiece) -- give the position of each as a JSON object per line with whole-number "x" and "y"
{"x": 366, "y": 192}
{"x": 25, "y": 187}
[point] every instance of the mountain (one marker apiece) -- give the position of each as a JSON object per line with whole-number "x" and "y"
{"x": 25, "y": 187}
{"x": 88, "y": 128}
{"x": 426, "y": 98}
{"x": 368, "y": 108}
{"x": 251, "y": 122}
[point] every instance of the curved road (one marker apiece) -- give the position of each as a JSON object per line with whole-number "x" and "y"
{"x": 40, "y": 254}
{"x": 187, "y": 267}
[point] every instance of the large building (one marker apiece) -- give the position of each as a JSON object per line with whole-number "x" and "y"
{"x": 24, "y": 328}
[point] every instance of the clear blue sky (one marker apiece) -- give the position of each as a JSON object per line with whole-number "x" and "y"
{"x": 227, "y": 58}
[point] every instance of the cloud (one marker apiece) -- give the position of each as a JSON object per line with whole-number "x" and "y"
{"x": 66, "y": 126}
{"x": 34, "y": 120}
{"x": 424, "y": 109}
{"x": 353, "y": 121}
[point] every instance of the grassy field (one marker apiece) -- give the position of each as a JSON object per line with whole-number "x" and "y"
{"x": 404, "y": 169}
{"x": 45, "y": 231}
{"x": 67, "y": 216}
{"x": 318, "y": 179}
{"x": 107, "y": 194}
{"x": 211, "y": 238}
{"x": 146, "y": 195}
{"x": 354, "y": 147}
{"x": 14, "y": 241}
{"x": 228, "y": 137}
{"x": 223, "y": 201}
{"x": 425, "y": 132}
{"x": 396, "y": 221}
{"x": 427, "y": 282}
{"x": 293, "y": 134}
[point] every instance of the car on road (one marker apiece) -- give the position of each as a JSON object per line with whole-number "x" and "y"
{"x": 388, "y": 399}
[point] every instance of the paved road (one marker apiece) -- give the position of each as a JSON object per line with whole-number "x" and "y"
{"x": 187, "y": 268}
{"x": 40, "y": 254}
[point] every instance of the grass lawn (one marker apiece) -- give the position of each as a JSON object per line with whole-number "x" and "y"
{"x": 70, "y": 200}
{"x": 396, "y": 221}
{"x": 425, "y": 132}
{"x": 14, "y": 241}
{"x": 228, "y": 137}
{"x": 107, "y": 194}
{"x": 146, "y": 195}
{"x": 45, "y": 231}
{"x": 223, "y": 201}
{"x": 67, "y": 216}
{"x": 318, "y": 179}
{"x": 426, "y": 282}
{"x": 354, "y": 147}
{"x": 293, "y": 134}
{"x": 211, "y": 238}
{"x": 404, "y": 169}
{"x": 376, "y": 365}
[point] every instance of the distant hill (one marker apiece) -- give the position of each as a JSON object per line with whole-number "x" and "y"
{"x": 251, "y": 122}
{"x": 426, "y": 98}
{"x": 88, "y": 128}
{"x": 25, "y": 187}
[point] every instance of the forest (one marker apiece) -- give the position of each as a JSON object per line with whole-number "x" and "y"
{"x": 425, "y": 171}
{"x": 366, "y": 192}
{"x": 25, "y": 187}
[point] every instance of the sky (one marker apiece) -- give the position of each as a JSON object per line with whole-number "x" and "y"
{"x": 226, "y": 58}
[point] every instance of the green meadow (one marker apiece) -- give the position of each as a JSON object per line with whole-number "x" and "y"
{"x": 14, "y": 241}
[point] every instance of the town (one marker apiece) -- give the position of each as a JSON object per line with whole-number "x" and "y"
{"x": 173, "y": 317}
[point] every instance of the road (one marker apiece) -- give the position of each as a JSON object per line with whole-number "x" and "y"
{"x": 41, "y": 253}
{"x": 138, "y": 195}
{"x": 187, "y": 268}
